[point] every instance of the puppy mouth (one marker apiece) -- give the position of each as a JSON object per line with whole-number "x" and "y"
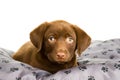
{"x": 61, "y": 60}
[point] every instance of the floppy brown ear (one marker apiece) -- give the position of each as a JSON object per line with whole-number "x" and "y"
{"x": 83, "y": 39}
{"x": 37, "y": 35}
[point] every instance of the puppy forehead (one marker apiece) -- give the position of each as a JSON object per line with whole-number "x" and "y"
{"x": 60, "y": 28}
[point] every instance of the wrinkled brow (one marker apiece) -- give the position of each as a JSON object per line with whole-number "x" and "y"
{"x": 59, "y": 29}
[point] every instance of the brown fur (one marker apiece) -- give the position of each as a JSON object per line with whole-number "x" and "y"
{"x": 53, "y": 46}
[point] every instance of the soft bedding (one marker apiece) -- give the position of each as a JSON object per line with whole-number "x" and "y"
{"x": 101, "y": 61}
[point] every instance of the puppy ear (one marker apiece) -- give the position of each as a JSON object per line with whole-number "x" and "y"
{"x": 83, "y": 39}
{"x": 36, "y": 36}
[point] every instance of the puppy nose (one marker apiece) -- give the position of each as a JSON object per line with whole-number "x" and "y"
{"x": 61, "y": 55}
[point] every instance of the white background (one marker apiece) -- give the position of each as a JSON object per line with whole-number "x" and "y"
{"x": 99, "y": 18}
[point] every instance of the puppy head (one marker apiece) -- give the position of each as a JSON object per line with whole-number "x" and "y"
{"x": 58, "y": 40}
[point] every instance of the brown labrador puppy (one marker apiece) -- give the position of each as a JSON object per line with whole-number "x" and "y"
{"x": 53, "y": 46}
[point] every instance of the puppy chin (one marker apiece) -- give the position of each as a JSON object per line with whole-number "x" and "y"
{"x": 57, "y": 61}
{"x": 62, "y": 61}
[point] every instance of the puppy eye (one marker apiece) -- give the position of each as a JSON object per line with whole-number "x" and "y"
{"x": 69, "y": 40}
{"x": 51, "y": 39}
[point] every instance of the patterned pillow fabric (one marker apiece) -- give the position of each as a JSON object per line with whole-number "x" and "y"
{"x": 100, "y": 61}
